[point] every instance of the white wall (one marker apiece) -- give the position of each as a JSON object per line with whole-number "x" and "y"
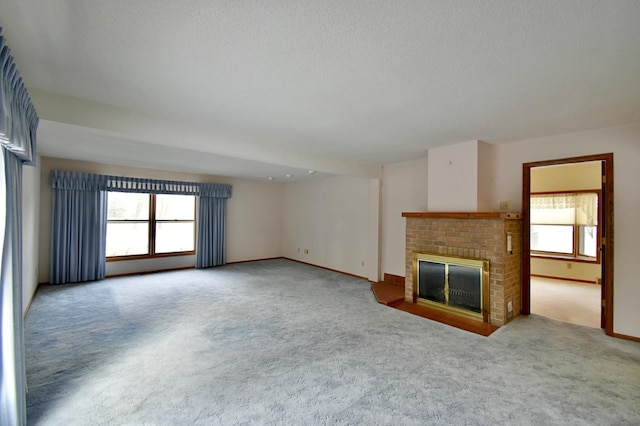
{"x": 453, "y": 178}
{"x": 254, "y": 216}
{"x": 567, "y": 177}
{"x": 254, "y": 220}
{"x": 563, "y": 269}
{"x": 460, "y": 177}
{"x": 404, "y": 189}
{"x": 331, "y": 219}
{"x": 624, "y": 142}
{"x": 30, "y": 232}
{"x": 486, "y": 167}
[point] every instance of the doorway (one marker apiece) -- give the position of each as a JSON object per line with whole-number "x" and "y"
{"x": 605, "y": 243}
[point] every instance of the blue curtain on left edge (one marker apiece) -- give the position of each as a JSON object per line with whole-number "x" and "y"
{"x": 78, "y": 227}
{"x": 18, "y": 126}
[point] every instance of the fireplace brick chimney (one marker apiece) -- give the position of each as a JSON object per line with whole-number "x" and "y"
{"x": 474, "y": 235}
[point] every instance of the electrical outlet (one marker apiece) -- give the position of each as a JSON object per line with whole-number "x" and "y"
{"x": 504, "y": 205}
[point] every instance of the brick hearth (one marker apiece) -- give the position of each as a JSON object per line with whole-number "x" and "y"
{"x": 472, "y": 235}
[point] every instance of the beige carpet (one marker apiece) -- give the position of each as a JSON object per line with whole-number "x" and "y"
{"x": 566, "y": 301}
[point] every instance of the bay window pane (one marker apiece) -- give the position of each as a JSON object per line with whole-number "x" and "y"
{"x": 588, "y": 241}
{"x": 127, "y": 239}
{"x": 174, "y": 237}
{"x": 552, "y": 238}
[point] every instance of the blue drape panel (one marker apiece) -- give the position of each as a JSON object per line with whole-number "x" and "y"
{"x": 211, "y": 233}
{"x": 78, "y": 227}
{"x": 12, "y": 371}
{"x": 212, "y": 225}
{"x": 18, "y": 125}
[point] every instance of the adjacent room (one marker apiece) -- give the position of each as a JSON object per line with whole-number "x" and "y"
{"x": 200, "y": 197}
{"x": 566, "y": 266}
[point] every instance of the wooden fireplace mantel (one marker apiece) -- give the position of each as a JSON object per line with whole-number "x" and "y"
{"x": 464, "y": 215}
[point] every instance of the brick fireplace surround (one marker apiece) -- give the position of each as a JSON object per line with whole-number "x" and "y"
{"x": 473, "y": 235}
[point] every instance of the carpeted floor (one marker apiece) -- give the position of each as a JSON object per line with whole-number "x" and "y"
{"x": 566, "y": 301}
{"x": 278, "y": 342}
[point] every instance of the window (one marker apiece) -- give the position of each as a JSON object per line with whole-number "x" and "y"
{"x": 174, "y": 224}
{"x": 565, "y": 225}
{"x": 552, "y": 238}
{"x": 146, "y": 225}
{"x": 588, "y": 241}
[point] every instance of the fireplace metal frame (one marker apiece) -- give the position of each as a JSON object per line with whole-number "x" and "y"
{"x": 481, "y": 264}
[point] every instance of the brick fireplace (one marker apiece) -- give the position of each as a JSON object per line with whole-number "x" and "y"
{"x": 475, "y": 236}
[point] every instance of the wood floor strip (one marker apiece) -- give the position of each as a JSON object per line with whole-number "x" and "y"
{"x": 392, "y": 295}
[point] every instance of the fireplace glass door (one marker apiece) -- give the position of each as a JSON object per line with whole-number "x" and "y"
{"x": 464, "y": 288}
{"x": 433, "y": 279}
{"x": 457, "y": 284}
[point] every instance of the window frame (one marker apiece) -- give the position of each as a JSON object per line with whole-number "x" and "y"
{"x": 151, "y": 237}
{"x": 575, "y": 256}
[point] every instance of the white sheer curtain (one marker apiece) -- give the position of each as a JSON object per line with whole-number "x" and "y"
{"x": 565, "y": 209}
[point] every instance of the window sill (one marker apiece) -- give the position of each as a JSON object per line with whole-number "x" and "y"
{"x": 566, "y": 258}
{"x": 149, "y": 256}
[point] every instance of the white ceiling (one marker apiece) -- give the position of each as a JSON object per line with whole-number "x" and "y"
{"x": 284, "y": 86}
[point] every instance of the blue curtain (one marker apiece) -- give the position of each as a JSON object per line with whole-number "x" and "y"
{"x": 13, "y": 408}
{"x": 78, "y": 227}
{"x": 18, "y": 125}
{"x": 79, "y": 221}
{"x": 211, "y": 233}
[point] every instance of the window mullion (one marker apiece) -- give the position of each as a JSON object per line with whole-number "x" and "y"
{"x": 152, "y": 224}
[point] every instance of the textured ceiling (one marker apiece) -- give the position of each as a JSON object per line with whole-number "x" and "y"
{"x": 367, "y": 82}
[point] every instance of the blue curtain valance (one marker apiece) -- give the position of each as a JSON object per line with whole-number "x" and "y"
{"x": 127, "y": 184}
{"x": 18, "y": 117}
{"x": 215, "y": 190}
{"x": 62, "y": 179}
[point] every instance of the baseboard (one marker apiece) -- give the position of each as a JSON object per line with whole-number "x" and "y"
{"x": 551, "y": 277}
{"x": 625, "y": 337}
{"x": 328, "y": 269}
{"x": 33, "y": 296}
{"x": 393, "y": 279}
{"x": 254, "y": 260}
